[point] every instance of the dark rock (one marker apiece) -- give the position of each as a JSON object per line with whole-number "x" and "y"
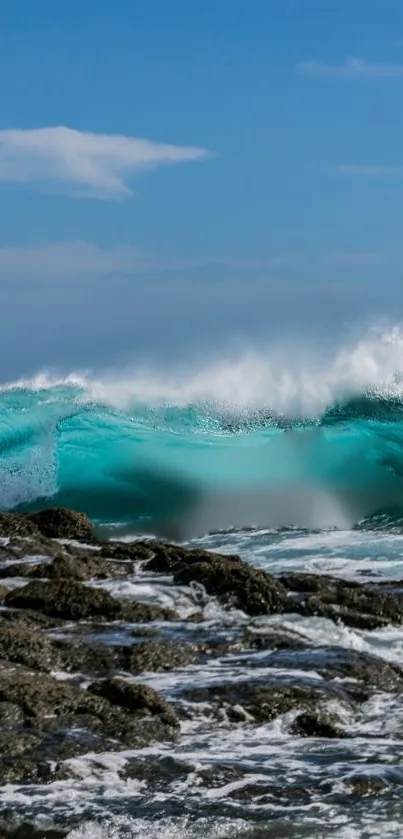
{"x": 65, "y": 599}
{"x": 25, "y": 830}
{"x": 138, "y": 699}
{"x": 363, "y": 607}
{"x": 146, "y": 656}
{"x": 29, "y": 619}
{"x": 149, "y": 656}
{"x": 11, "y": 715}
{"x": 80, "y": 568}
{"x": 71, "y": 600}
{"x": 25, "y": 645}
{"x": 16, "y": 524}
{"x": 60, "y": 523}
{"x": 168, "y": 558}
{"x": 21, "y": 569}
{"x": 236, "y": 584}
{"x": 368, "y": 786}
{"x": 364, "y": 668}
{"x": 146, "y": 612}
{"x": 196, "y": 617}
{"x": 271, "y": 640}
{"x": 262, "y": 702}
{"x": 317, "y": 725}
{"x": 134, "y": 551}
{"x": 37, "y": 547}
{"x": 48, "y": 720}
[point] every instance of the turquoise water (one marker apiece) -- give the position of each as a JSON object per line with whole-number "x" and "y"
{"x": 200, "y": 466}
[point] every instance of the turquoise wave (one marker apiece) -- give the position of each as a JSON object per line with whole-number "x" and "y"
{"x": 183, "y": 470}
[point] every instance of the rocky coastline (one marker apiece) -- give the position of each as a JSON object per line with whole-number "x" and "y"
{"x": 65, "y": 691}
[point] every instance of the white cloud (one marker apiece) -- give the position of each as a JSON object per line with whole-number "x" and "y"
{"x": 81, "y": 163}
{"x": 366, "y": 171}
{"x": 352, "y": 68}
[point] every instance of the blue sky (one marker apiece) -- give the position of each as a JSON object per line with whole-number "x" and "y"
{"x": 178, "y": 175}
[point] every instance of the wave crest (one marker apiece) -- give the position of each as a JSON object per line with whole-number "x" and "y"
{"x": 209, "y": 448}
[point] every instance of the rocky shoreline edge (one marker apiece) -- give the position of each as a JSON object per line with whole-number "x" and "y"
{"x": 53, "y": 605}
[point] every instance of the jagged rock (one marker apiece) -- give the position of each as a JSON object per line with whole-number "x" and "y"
{"x": 139, "y": 699}
{"x": 22, "y": 644}
{"x": 18, "y": 524}
{"x": 60, "y": 523}
{"x": 65, "y": 599}
{"x": 71, "y": 600}
{"x": 146, "y": 656}
{"x": 135, "y": 551}
{"x": 260, "y": 703}
{"x": 363, "y": 607}
{"x": 151, "y": 656}
{"x": 80, "y": 568}
{"x": 317, "y": 725}
{"x": 40, "y": 713}
{"x": 272, "y": 640}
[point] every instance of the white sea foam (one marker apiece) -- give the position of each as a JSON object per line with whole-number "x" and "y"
{"x": 297, "y": 382}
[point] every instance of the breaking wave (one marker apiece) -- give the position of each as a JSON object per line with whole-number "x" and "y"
{"x": 262, "y": 441}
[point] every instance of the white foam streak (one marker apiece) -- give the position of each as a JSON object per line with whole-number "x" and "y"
{"x": 297, "y": 381}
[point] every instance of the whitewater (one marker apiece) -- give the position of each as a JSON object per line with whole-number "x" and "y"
{"x": 292, "y": 461}
{"x": 260, "y": 441}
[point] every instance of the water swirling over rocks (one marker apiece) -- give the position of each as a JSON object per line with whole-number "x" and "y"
{"x": 139, "y": 674}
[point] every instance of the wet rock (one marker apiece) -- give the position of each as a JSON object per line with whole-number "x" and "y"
{"x": 141, "y": 700}
{"x": 368, "y": 786}
{"x": 168, "y": 558}
{"x": 11, "y": 715}
{"x": 236, "y": 584}
{"x": 149, "y": 656}
{"x": 71, "y": 600}
{"x": 28, "y": 831}
{"x": 23, "y": 645}
{"x": 146, "y": 656}
{"x": 367, "y": 669}
{"x": 271, "y": 640}
{"x": 37, "y": 547}
{"x": 134, "y": 551}
{"x": 80, "y": 568}
{"x": 20, "y": 569}
{"x": 314, "y": 607}
{"x": 16, "y": 524}
{"x": 363, "y": 607}
{"x": 147, "y": 612}
{"x": 196, "y": 617}
{"x": 49, "y": 720}
{"x": 61, "y": 523}
{"x": 261, "y": 702}
{"x": 29, "y": 619}
{"x": 317, "y": 725}
{"x": 65, "y": 599}
{"x": 362, "y": 673}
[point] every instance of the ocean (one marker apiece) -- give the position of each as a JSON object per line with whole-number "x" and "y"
{"x": 294, "y": 467}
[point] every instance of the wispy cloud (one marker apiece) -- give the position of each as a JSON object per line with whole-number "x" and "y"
{"x": 351, "y": 68}
{"x": 354, "y": 259}
{"x": 365, "y": 171}
{"x": 78, "y": 260}
{"x": 81, "y": 163}
{"x": 67, "y": 260}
